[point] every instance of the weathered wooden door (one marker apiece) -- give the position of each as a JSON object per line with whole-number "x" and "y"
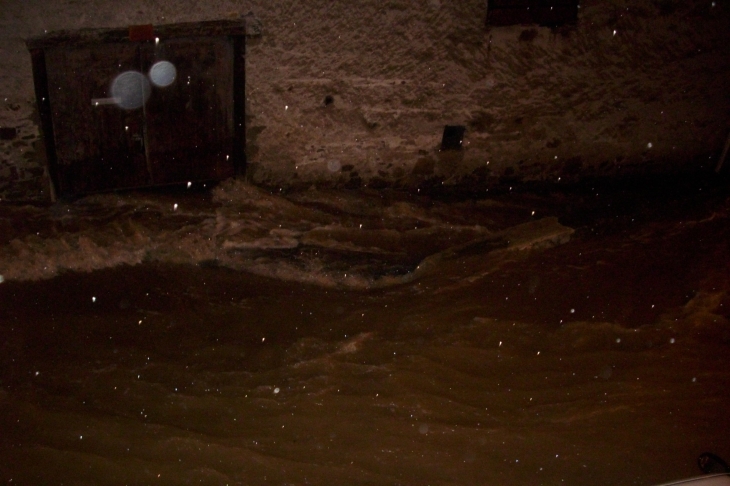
{"x": 110, "y": 121}
{"x": 190, "y": 122}
{"x": 98, "y": 146}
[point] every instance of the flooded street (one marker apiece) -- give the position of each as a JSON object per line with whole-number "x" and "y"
{"x": 234, "y": 336}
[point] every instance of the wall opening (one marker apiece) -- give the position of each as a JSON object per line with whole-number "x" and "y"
{"x": 453, "y": 137}
{"x": 550, "y": 13}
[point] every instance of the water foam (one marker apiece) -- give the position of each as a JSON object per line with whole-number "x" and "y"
{"x": 328, "y": 239}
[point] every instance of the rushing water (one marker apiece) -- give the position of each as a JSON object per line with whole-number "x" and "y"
{"x": 240, "y": 337}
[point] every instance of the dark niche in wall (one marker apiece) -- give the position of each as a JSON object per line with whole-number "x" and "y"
{"x": 8, "y": 133}
{"x": 542, "y": 12}
{"x": 453, "y": 137}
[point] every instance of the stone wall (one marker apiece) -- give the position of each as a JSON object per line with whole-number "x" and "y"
{"x": 357, "y": 93}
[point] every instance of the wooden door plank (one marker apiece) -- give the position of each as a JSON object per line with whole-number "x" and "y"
{"x": 190, "y": 123}
{"x": 98, "y": 146}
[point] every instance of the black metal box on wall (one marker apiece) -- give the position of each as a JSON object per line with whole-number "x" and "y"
{"x": 141, "y": 106}
{"x": 541, "y": 12}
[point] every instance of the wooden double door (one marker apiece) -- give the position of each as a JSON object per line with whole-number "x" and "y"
{"x": 182, "y": 131}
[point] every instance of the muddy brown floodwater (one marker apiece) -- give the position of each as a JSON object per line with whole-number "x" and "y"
{"x": 600, "y": 360}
